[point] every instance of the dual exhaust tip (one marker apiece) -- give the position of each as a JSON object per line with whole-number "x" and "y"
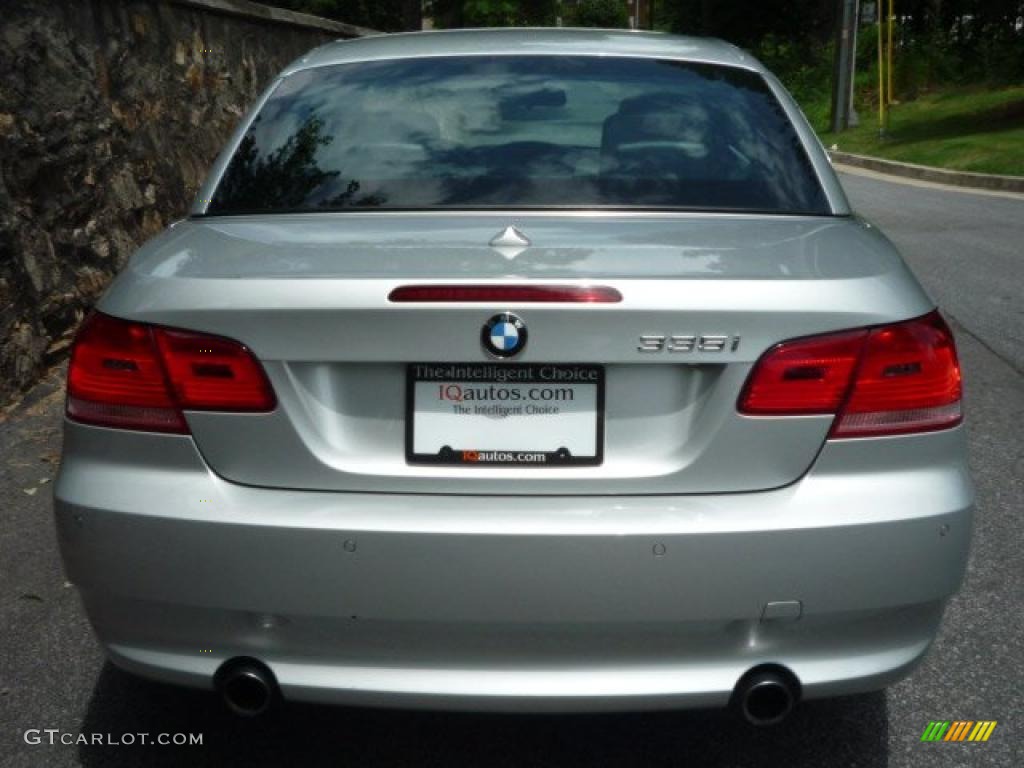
{"x": 766, "y": 695}
{"x": 247, "y": 686}
{"x": 763, "y": 696}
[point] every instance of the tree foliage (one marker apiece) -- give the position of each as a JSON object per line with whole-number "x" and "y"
{"x": 938, "y": 40}
{"x": 599, "y": 13}
{"x": 285, "y": 178}
{"x": 383, "y": 15}
{"x": 492, "y": 13}
{"x": 288, "y": 177}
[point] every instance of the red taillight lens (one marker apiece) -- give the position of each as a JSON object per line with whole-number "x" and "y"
{"x": 209, "y": 373}
{"x": 135, "y": 376}
{"x": 891, "y": 380}
{"x": 116, "y": 379}
{"x": 804, "y": 376}
{"x": 908, "y": 381}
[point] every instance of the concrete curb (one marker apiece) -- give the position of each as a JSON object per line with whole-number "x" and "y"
{"x": 927, "y": 173}
{"x": 260, "y": 12}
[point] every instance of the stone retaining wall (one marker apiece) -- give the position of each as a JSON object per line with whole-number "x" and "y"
{"x": 111, "y": 111}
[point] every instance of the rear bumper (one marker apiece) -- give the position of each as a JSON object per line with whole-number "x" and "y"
{"x": 539, "y": 603}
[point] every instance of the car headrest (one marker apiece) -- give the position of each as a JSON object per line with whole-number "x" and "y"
{"x": 657, "y": 125}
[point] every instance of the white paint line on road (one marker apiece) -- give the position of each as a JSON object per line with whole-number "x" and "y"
{"x": 854, "y": 171}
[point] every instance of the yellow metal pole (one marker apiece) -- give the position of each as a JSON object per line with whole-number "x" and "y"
{"x": 892, "y": 18}
{"x": 881, "y": 75}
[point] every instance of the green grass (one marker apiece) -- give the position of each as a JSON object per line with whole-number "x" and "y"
{"x": 966, "y": 129}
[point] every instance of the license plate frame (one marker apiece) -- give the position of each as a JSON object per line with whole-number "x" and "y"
{"x": 515, "y": 375}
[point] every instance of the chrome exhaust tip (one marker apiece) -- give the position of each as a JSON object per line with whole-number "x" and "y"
{"x": 247, "y": 686}
{"x": 766, "y": 696}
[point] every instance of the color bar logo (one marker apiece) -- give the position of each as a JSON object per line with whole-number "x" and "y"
{"x": 958, "y": 730}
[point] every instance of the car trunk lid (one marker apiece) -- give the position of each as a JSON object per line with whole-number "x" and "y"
{"x": 702, "y": 297}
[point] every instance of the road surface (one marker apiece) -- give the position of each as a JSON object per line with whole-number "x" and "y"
{"x": 967, "y": 250}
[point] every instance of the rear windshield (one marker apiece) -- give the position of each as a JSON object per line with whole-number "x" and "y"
{"x": 479, "y": 132}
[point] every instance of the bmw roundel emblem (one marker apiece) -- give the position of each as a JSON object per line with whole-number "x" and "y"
{"x": 504, "y": 335}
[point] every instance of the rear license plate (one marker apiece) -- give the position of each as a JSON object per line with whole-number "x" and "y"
{"x": 486, "y": 414}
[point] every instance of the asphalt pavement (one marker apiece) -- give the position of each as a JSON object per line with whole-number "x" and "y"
{"x": 967, "y": 250}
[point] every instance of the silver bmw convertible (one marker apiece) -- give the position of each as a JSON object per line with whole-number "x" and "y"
{"x": 518, "y": 370}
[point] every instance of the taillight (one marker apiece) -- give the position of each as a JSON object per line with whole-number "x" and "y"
{"x": 116, "y": 378}
{"x": 890, "y": 380}
{"x": 908, "y": 381}
{"x": 209, "y": 373}
{"x": 804, "y": 376}
{"x": 136, "y": 376}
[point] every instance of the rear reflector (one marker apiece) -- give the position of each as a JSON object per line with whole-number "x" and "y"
{"x": 136, "y": 376}
{"x": 891, "y": 380}
{"x": 520, "y": 294}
